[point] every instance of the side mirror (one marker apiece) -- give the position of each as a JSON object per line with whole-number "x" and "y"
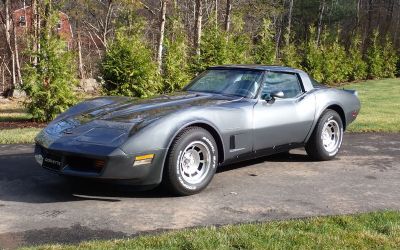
{"x": 277, "y": 94}
{"x": 270, "y": 98}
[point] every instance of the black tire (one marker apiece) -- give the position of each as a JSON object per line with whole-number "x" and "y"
{"x": 175, "y": 178}
{"x": 315, "y": 147}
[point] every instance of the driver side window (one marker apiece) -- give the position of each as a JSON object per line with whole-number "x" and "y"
{"x": 287, "y": 83}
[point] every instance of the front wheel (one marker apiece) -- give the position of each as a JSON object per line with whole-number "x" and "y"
{"x": 192, "y": 161}
{"x": 326, "y": 139}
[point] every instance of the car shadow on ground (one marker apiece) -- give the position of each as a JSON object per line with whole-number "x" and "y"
{"x": 22, "y": 180}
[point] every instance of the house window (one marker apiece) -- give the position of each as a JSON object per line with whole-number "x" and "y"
{"x": 22, "y": 21}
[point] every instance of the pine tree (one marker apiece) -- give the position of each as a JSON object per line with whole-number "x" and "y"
{"x": 390, "y": 59}
{"x": 335, "y": 68}
{"x": 175, "y": 67}
{"x": 50, "y": 82}
{"x": 375, "y": 59}
{"x": 357, "y": 66}
{"x": 314, "y": 59}
{"x": 128, "y": 67}
{"x": 291, "y": 56}
{"x": 239, "y": 43}
{"x": 264, "y": 51}
{"x": 213, "y": 49}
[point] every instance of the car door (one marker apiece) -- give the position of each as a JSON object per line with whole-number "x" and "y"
{"x": 285, "y": 120}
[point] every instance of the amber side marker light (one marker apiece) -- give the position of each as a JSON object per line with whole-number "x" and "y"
{"x": 99, "y": 163}
{"x": 143, "y": 159}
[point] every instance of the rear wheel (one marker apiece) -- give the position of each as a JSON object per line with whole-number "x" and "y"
{"x": 192, "y": 161}
{"x": 326, "y": 139}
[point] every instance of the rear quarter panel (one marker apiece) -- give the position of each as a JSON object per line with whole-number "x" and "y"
{"x": 327, "y": 97}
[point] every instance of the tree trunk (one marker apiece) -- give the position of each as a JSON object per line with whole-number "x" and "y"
{"x": 35, "y": 29}
{"x": 16, "y": 54}
{"x": 228, "y": 15}
{"x": 278, "y": 36}
{"x": 320, "y": 18}
{"x": 289, "y": 27}
{"x": 216, "y": 14}
{"x": 8, "y": 29}
{"x": 198, "y": 25}
{"x": 163, "y": 12}
{"x": 80, "y": 61}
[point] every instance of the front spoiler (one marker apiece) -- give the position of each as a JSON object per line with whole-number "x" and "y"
{"x": 115, "y": 166}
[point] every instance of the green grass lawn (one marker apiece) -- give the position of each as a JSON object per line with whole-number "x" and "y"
{"x": 18, "y": 135}
{"x": 380, "y": 111}
{"x": 378, "y": 230}
{"x": 14, "y": 112}
{"x": 380, "y": 106}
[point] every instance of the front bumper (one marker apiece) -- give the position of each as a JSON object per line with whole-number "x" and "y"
{"x": 114, "y": 166}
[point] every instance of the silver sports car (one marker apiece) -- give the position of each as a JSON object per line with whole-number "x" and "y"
{"x": 227, "y": 114}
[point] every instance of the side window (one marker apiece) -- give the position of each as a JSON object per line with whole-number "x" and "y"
{"x": 287, "y": 83}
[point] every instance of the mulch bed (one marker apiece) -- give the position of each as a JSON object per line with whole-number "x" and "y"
{"x": 22, "y": 124}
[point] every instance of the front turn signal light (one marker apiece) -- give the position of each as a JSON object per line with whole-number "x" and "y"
{"x": 143, "y": 159}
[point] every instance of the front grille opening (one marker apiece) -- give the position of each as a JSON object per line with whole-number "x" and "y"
{"x": 83, "y": 164}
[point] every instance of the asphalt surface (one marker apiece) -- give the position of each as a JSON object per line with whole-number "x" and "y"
{"x": 38, "y": 207}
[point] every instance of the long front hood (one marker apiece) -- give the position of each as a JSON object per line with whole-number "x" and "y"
{"x": 111, "y": 120}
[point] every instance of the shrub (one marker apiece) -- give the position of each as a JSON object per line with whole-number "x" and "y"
{"x": 213, "y": 48}
{"x": 390, "y": 59}
{"x": 357, "y": 66}
{"x": 375, "y": 58}
{"x": 50, "y": 83}
{"x": 264, "y": 49}
{"x": 335, "y": 68}
{"x": 239, "y": 43}
{"x": 128, "y": 68}
{"x": 175, "y": 66}
{"x": 314, "y": 59}
{"x": 291, "y": 57}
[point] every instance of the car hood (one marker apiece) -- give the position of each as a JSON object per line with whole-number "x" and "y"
{"x": 112, "y": 120}
{"x": 130, "y": 110}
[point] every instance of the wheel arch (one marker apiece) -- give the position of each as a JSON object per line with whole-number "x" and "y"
{"x": 211, "y": 129}
{"x": 335, "y": 107}
{"x": 338, "y": 109}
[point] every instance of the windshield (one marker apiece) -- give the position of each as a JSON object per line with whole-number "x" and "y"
{"x": 236, "y": 82}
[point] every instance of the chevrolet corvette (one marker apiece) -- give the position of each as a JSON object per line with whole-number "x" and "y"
{"x": 226, "y": 114}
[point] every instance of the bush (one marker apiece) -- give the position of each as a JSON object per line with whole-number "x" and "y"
{"x": 314, "y": 59}
{"x": 375, "y": 58}
{"x": 49, "y": 85}
{"x": 291, "y": 57}
{"x": 128, "y": 68}
{"x": 239, "y": 43}
{"x": 264, "y": 50}
{"x": 335, "y": 68}
{"x": 175, "y": 65}
{"x": 390, "y": 59}
{"x": 213, "y": 48}
{"x": 357, "y": 66}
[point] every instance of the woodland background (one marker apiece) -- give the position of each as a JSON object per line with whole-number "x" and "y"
{"x": 144, "y": 47}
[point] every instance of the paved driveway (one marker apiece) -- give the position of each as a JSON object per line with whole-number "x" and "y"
{"x": 38, "y": 207}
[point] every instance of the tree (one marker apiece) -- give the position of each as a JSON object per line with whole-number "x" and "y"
{"x": 290, "y": 54}
{"x": 264, "y": 50}
{"x": 198, "y": 25}
{"x": 49, "y": 82}
{"x": 8, "y": 29}
{"x": 127, "y": 68}
{"x": 228, "y": 15}
{"x": 163, "y": 12}
{"x": 175, "y": 67}
{"x": 314, "y": 59}
{"x": 375, "y": 58}
{"x": 391, "y": 57}
{"x": 357, "y": 65}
